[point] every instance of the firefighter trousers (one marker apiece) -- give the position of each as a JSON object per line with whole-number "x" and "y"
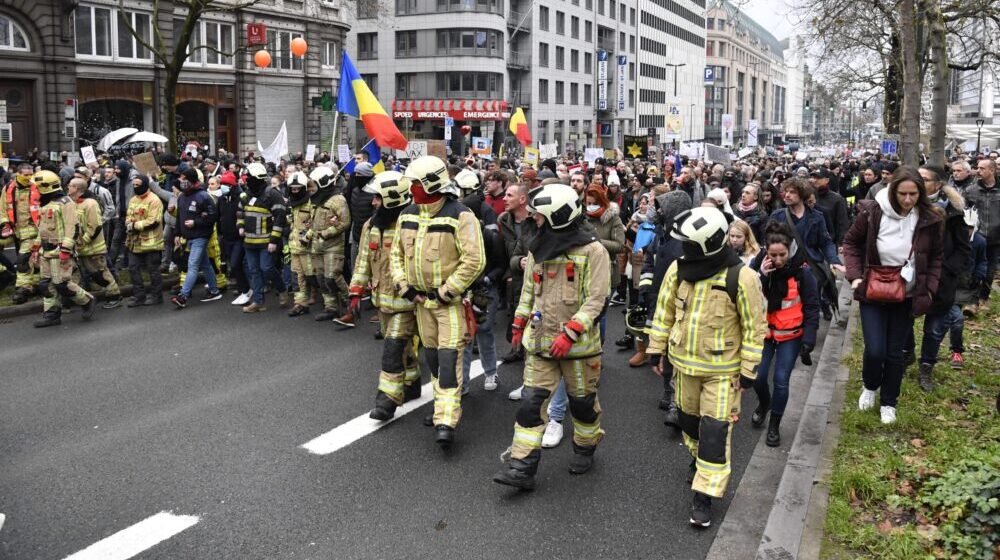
{"x": 95, "y": 268}
{"x": 27, "y": 275}
{"x": 329, "y": 270}
{"x": 444, "y": 334}
{"x": 707, "y": 403}
{"x": 302, "y": 266}
{"x": 57, "y": 283}
{"x": 541, "y": 378}
{"x": 399, "y": 359}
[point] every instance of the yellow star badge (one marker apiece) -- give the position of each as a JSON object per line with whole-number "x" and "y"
{"x": 634, "y": 150}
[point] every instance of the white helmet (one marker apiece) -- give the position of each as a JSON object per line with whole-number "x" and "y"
{"x": 558, "y": 203}
{"x": 430, "y": 171}
{"x": 972, "y": 218}
{"x": 323, "y": 175}
{"x": 392, "y": 187}
{"x": 702, "y": 230}
{"x": 257, "y": 171}
{"x": 297, "y": 179}
{"x": 467, "y": 180}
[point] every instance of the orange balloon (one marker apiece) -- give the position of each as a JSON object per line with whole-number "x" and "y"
{"x": 262, "y": 59}
{"x": 299, "y": 46}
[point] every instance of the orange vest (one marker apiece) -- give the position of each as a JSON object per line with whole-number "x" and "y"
{"x": 786, "y": 323}
{"x": 34, "y": 198}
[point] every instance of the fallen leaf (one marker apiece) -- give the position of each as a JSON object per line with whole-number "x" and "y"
{"x": 885, "y": 527}
{"x": 927, "y": 531}
{"x": 905, "y": 488}
{"x": 917, "y": 442}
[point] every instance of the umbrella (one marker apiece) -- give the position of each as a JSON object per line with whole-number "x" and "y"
{"x": 143, "y": 136}
{"x": 115, "y": 136}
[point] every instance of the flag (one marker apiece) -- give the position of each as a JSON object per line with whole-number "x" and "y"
{"x": 277, "y": 148}
{"x": 677, "y": 164}
{"x": 519, "y": 126}
{"x": 355, "y": 99}
{"x": 635, "y": 147}
{"x": 374, "y": 157}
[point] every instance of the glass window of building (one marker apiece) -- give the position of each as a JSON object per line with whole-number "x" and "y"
{"x": 588, "y": 62}
{"x": 371, "y": 80}
{"x": 621, "y": 13}
{"x": 588, "y": 32}
{"x": 279, "y": 45}
{"x": 406, "y": 86}
{"x": 543, "y": 91}
{"x": 560, "y": 86}
{"x": 560, "y": 58}
{"x": 331, "y": 57}
{"x": 574, "y": 60}
{"x": 367, "y": 46}
{"x": 574, "y": 27}
{"x": 406, "y": 43}
{"x": 560, "y": 23}
{"x": 543, "y": 55}
{"x": 12, "y": 37}
{"x": 588, "y": 99}
{"x": 543, "y": 18}
{"x": 93, "y": 31}
{"x": 574, "y": 93}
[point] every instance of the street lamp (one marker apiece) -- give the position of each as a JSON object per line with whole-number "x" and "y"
{"x": 979, "y": 132}
{"x": 675, "y": 67}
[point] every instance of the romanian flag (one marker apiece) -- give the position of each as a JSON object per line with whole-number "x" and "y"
{"x": 355, "y": 99}
{"x": 519, "y": 126}
{"x": 374, "y": 157}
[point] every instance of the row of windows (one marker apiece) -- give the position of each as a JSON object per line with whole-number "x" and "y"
{"x": 650, "y": 20}
{"x": 651, "y": 121}
{"x": 103, "y": 32}
{"x": 685, "y": 13}
{"x": 652, "y": 71}
{"x": 368, "y": 9}
{"x": 468, "y": 84}
{"x": 574, "y": 59}
{"x": 652, "y": 96}
{"x": 574, "y": 90}
{"x": 469, "y": 41}
{"x": 714, "y": 23}
{"x": 652, "y": 46}
{"x": 611, "y": 11}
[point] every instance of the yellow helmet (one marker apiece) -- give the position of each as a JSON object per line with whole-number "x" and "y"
{"x": 47, "y": 182}
{"x": 430, "y": 171}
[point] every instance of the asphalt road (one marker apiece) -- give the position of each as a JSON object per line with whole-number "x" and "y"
{"x": 202, "y": 412}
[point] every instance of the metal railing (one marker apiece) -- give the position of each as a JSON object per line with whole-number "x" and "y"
{"x": 518, "y": 59}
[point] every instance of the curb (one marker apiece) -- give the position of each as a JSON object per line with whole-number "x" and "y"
{"x": 787, "y": 522}
{"x": 35, "y": 305}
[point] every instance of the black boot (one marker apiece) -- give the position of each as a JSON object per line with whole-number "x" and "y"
{"x": 444, "y": 435}
{"x": 88, "y": 309}
{"x": 411, "y": 392}
{"x": 20, "y": 296}
{"x": 49, "y": 318}
{"x": 672, "y": 418}
{"x": 385, "y": 408}
{"x": 515, "y": 355}
{"x": 520, "y": 472}
{"x": 760, "y": 413}
{"x": 583, "y": 459}
{"x": 773, "y": 435}
{"x": 326, "y": 315}
{"x": 626, "y": 342}
{"x": 692, "y": 469}
{"x": 924, "y": 377}
{"x": 701, "y": 510}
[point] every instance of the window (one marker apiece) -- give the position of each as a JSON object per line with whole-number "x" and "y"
{"x": 710, "y": 48}
{"x": 478, "y": 85}
{"x": 588, "y": 97}
{"x": 543, "y": 91}
{"x": 93, "y": 31}
{"x": 588, "y": 62}
{"x": 560, "y": 86}
{"x": 406, "y": 86}
{"x": 574, "y": 60}
{"x": 404, "y": 7}
{"x": 543, "y": 18}
{"x": 406, "y": 43}
{"x": 631, "y": 44}
{"x": 611, "y": 9}
{"x": 331, "y": 57}
{"x": 631, "y": 70}
{"x": 722, "y": 49}
{"x": 367, "y": 9}
{"x": 600, "y": 7}
{"x": 621, "y": 40}
{"x": 574, "y": 94}
{"x": 543, "y": 55}
{"x": 621, "y": 13}
{"x": 560, "y": 58}
{"x": 631, "y": 98}
{"x": 371, "y": 80}
{"x": 588, "y": 34}
{"x": 590, "y": 5}
{"x": 219, "y": 44}
{"x": 631, "y": 16}
{"x": 487, "y": 6}
{"x": 480, "y": 42}
{"x": 12, "y": 37}
{"x": 710, "y": 23}
{"x": 574, "y": 27}
{"x": 128, "y": 46}
{"x": 367, "y": 46}
{"x": 560, "y": 23}
{"x": 279, "y": 45}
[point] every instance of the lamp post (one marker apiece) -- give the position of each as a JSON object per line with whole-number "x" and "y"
{"x": 979, "y": 132}
{"x": 675, "y": 67}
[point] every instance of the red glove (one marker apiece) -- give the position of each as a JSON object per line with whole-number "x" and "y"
{"x": 517, "y": 331}
{"x": 574, "y": 330}
{"x": 64, "y": 256}
{"x": 355, "y": 304}
{"x": 6, "y": 231}
{"x": 560, "y": 346}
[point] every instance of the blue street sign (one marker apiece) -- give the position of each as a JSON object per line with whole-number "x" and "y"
{"x": 709, "y": 75}
{"x": 889, "y": 147}
{"x": 449, "y": 122}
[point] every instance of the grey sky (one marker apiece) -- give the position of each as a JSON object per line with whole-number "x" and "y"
{"x": 772, "y": 15}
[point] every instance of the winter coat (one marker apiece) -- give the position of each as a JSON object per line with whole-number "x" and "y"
{"x": 199, "y": 206}
{"x": 122, "y": 190}
{"x": 956, "y": 249}
{"x": 987, "y": 202}
{"x": 146, "y": 214}
{"x": 808, "y": 294}
{"x": 974, "y": 273}
{"x": 611, "y": 233}
{"x": 373, "y": 266}
{"x": 755, "y": 218}
{"x": 360, "y": 204}
{"x": 106, "y": 200}
{"x": 812, "y": 229}
{"x": 835, "y": 208}
{"x": 229, "y": 207}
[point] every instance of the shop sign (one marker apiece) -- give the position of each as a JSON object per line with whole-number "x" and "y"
{"x": 457, "y": 115}
{"x": 256, "y": 34}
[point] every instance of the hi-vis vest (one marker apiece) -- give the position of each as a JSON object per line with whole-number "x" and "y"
{"x": 786, "y": 323}
{"x": 34, "y": 204}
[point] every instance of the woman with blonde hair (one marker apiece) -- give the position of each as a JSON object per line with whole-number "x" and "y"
{"x": 742, "y": 240}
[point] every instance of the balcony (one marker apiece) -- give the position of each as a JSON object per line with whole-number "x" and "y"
{"x": 519, "y": 60}
{"x": 514, "y": 18}
{"x": 519, "y": 99}
{"x": 606, "y": 44}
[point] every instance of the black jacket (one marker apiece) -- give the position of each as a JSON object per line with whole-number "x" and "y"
{"x": 660, "y": 254}
{"x": 198, "y": 206}
{"x": 957, "y": 250}
{"x": 229, "y": 207}
{"x": 360, "y": 204}
{"x": 835, "y": 208}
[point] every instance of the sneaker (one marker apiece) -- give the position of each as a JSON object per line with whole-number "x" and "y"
{"x": 888, "y": 414}
{"x": 243, "y": 298}
{"x": 490, "y": 383}
{"x": 553, "y": 435}
{"x": 867, "y": 400}
{"x": 254, "y": 307}
{"x": 136, "y": 302}
{"x": 515, "y": 395}
{"x": 212, "y": 296}
{"x": 617, "y": 300}
{"x": 701, "y": 510}
{"x": 112, "y": 303}
{"x": 957, "y": 362}
{"x": 347, "y": 319}
{"x": 180, "y": 301}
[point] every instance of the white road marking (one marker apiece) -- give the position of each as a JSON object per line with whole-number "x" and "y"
{"x": 353, "y": 430}
{"x": 3, "y": 518}
{"x": 135, "y": 539}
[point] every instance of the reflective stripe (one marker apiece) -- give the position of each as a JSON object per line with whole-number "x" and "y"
{"x": 527, "y": 436}
{"x": 785, "y": 304}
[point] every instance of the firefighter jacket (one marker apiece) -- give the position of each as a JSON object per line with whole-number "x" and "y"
{"x": 20, "y": 207}
{"x": 145, "y": 213}
{"x": 262, "y": 218}
{"x": 438, "y": 248}
{"x": 301, "y": 221}
{"x": 90, "y": 238}
{"x": 57, "y": 227}
{"x": 571, "y": 287}
{"x": 373, "y": 266}
{"x": 706, "y": 332}
{"x": 331, "y": 218}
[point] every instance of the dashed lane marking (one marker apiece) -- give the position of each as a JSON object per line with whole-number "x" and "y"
{"x": 135, "y": 539}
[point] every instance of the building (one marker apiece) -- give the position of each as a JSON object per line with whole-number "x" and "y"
{"x": 71, "y": 72}
{"x": 796, "y": 72}
{"x": 749, "y": 77}
{"x": 671, "y": 69}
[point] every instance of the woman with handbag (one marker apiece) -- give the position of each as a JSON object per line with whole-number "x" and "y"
{"x": 893, "y": 258}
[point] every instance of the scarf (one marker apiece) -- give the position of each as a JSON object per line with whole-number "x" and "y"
{"x": 598, "y": 213}
{"x": 777, "y": 281}
{"x": 690, "y": 269}
{"x": 746, "y": 209}
{"x": 549, "y": 243}
{"x": 384, "y": 217}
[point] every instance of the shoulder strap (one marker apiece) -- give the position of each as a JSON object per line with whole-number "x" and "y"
{"x": 798, "y": 238}
{"x": 733, "y": 281}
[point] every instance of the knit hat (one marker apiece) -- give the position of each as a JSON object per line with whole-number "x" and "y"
{"x": 190, "y": 174}
{"x": 672, "y": 204}
{"x": 364, "y": 169}
{"x": 228, "y": 179}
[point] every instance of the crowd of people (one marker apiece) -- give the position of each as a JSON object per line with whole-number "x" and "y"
{"x": 723, "y": 271}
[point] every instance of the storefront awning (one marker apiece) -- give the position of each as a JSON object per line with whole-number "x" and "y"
{"x": 458, "y": 109}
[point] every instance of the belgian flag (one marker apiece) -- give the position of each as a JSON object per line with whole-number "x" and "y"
{"x": 635, "y": 147}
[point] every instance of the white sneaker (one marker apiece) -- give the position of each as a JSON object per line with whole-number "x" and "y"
{"x": 515, "y": 395}
{"x": 490, "y": 383}
{"x": 866, "y": 400}
{"x": 553, "y": 435}
{"x": 888, "y": 414}
{"x": 243, "y": 299}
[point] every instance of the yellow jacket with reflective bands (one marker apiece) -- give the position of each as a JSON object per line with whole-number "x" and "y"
{"x": 703, "y": 331}
{"x": 90, "y": 240}
{"x": 57, "y": 227}
{"x": 372, "y": 265}
{"x": 301, "y": 222}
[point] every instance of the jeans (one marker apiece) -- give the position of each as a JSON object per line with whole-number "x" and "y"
{"x": 885, "y": 327}
{"x": 782, "y": 356}
{"x": 559, "y": 402}
{"x": 116, "y": 247}
{"x": 235, "y": 265}
{"x": 486, "y": 342}
{"x": 956, "y": 324}
{"x": 260, "y": 265}
{"x": 198, "y": 262}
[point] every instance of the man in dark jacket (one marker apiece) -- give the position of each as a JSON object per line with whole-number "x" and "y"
{"x": 360, "y": 204}
{"x": 832, "y": 204}
{"x": 513, "y": 224}
{"x": 196, "y": 218}
{"x": 984, "y": 196}
{"x": 122, "y": 193}
{"x": 230, "y": 242}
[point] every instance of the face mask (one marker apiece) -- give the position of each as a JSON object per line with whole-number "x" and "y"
{"x": 593, "y": 208}
{"x": 224, "y": 189}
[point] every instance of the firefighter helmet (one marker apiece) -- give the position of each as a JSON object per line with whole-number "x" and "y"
{"x": 392, "y": 187}
{"x": 702, "y": 231}
{"x": 47, "y": 182}
{"x": 635, "y": 320}
{"x": 558, "y": 203}
{"x": 430, "y": 171}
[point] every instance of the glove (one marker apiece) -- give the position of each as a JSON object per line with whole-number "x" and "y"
{"x": 410, "y": 294}
{"x": 805, "y": 354}
{"x": 573, "y": 330}
{"x": 355, "y": 304}
{"x": 560, "y": 346}
{"x": 64, "y": 256}
{"x": 517, "y": 331}
{"x": 745, "y": 382}
{"x": 272, "y": 247}
{"x": 6, "y": 231}
{"x": 444, "y": 296}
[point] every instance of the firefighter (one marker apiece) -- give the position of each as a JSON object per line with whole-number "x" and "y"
{"x": 261, "y": 221}
{"x": 399, "y": 380}
{"x": 330, "y": 220}
{"x": 19, "y": 217}
{"x": 300, "y": 210}
{"x": 53, "y": 252}
{"x": 91, "y": 250}
{"x": 144, "y": 240}
{"x": 566, "y": 282}
{"x": 437, "y": 255}
{"x": 709, "y": 315}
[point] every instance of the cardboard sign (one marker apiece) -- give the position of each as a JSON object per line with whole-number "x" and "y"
{"x": 482, "y": 146}
{"x": 546, "y": 151}
{"x": 310, "y": 152}
{"x": 88, "y": 155}
{"x": 716, "y": 154}
{"x": 744, "y": 153}
{"x": 437, "y": 148}
{"x": 531, "y": 156}
{"x": 415, "y": 149}
{"x": 343, "y": 153}
{"x": 145, "y": 163}
{"x": 591, "y": 155}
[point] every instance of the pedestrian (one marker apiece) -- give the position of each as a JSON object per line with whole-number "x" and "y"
{"x": 230, "y": 242}
{"x": 331, "y": 223}
{"x": 831, "y": 203}
{"x": 984, "y": 196}
{"x": 91, "y": 249}
{"x": 743, "y": 240}
{"x": 969, "y": 282}
{"x": 300, "y": 221}
{"x": 893, "y": 253}
{"x": 515, "y": 226}
{"x": 263, "y": 216}
{"x": 144, "y": 242}
{"x": 196, "y": 218}
{"x": 20, "y": 214}
{"x": 750, "y": 210}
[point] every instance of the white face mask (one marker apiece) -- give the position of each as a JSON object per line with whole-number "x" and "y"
{"x": 593, "y": 208}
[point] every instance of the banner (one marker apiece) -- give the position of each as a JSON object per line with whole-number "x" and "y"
{"x": 716, "y": 154}
{"x": 622, "y": 63}
{"x": 602, "y": 80}
{"x": 481, "y": 146}
{"x": 590, "y": 155}
{"x": 415, "y": 149}
{"x": 675, "y": 123}
{"x": 343, "y": 153}
{"x": 278, "y": 148}
{"x": 546, "y": 151}
{"x": 635, "y": 147}
{"x": 531, "y": 156}
{"x": 727, "y": 129}
{"x": 752, "y": 133}
{"x": 310, "y": 152}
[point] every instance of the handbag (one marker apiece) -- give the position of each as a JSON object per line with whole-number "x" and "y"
{"x": 884, "y": 284}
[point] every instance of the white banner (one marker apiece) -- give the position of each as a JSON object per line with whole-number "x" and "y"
{"x": 343, "y": 153}
{"x": 546, "y": 151}
{"x": 590, "y": 155}
{"x": 414, "y": 149}
{"x": 752, "y": 133}
{"x": 602, "y": 80}
{"x": 716, "y": 154}
{"x": 622, "y": 63}
{"x": 310, "y": 152}
{"x": 727, "y": 129}
{"x": 674, "y": 123}
{"x": 278, "y": 148}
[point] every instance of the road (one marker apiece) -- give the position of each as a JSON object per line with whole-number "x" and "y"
{"x": 202, "y": 413}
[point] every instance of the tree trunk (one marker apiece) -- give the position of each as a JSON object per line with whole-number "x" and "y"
{"x": 909, "y": 147}
{"x": 942, "y": 78}
{"x": 170, "y": 100}
{"x": 893, "y": 93}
